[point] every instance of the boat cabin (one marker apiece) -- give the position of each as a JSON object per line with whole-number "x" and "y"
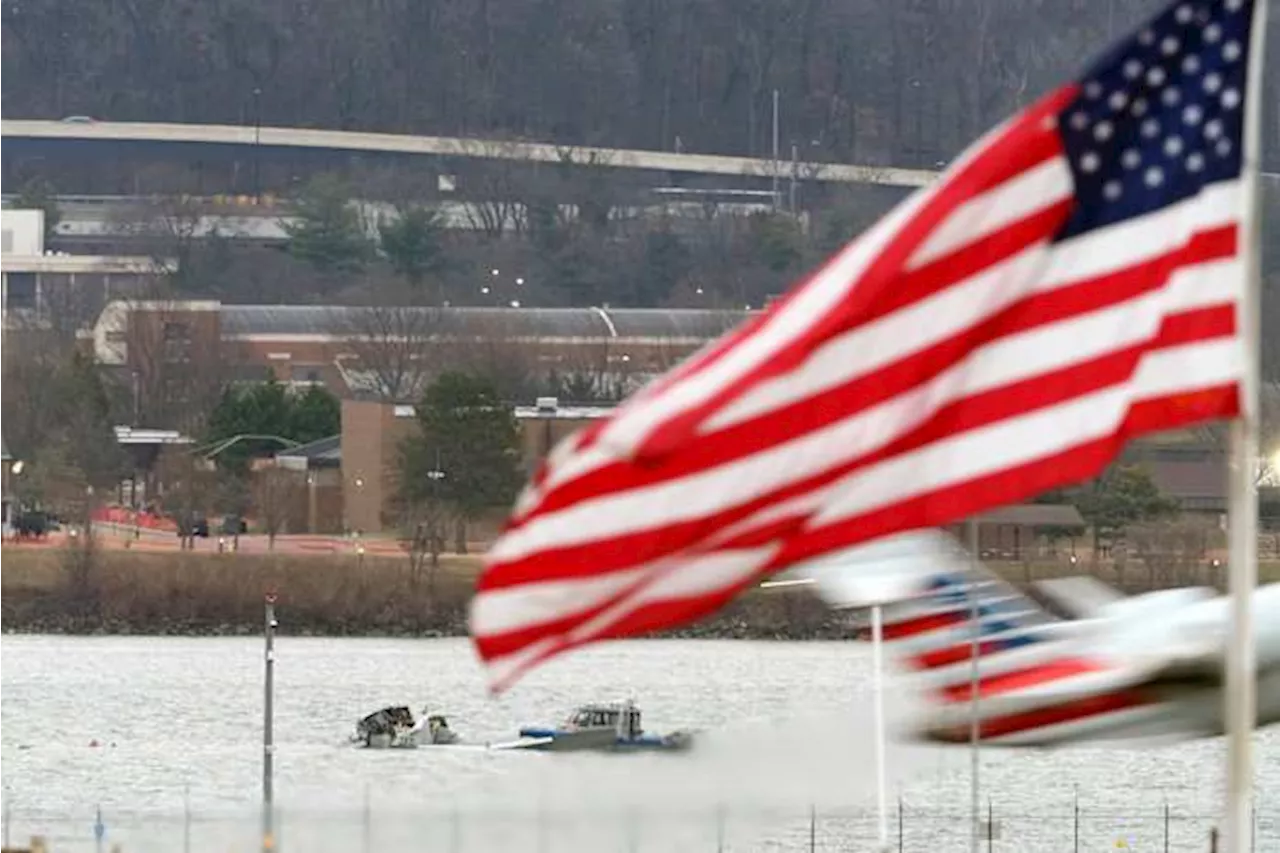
{"x": 624, "y": 718}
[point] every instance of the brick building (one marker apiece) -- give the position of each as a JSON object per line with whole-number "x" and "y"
{"x": 372, "y": 432}
{"x": 390, "y": 352}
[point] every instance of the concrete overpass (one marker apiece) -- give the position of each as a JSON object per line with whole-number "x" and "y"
{"x": 441, "y": 146}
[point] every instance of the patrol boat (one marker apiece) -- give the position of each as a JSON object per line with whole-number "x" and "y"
{"x": 609, "y": 727}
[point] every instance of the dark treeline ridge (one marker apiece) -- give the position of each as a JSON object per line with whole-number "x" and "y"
{"x": 905, "y": 83}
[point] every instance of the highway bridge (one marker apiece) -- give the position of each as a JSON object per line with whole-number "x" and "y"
{"x": 338, "y": 141}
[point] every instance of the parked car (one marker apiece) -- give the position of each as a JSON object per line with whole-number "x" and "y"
{"x": 192, "y": 525}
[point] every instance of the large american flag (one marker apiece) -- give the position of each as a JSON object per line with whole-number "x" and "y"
{"x": 1071, "y": 281}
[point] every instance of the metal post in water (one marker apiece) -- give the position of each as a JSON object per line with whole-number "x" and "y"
{"x": 975, "y": 731}
{"x": 877, "y": 668}
{"x": 542, "y": 826}
{"x": 99, "y": 830}
{"x": 991, "y": 827}
{"x": 813, "y": 828}
{"x": 633, "y": 831}
{"x": 1076, "y": 832}
{"x": 268, "y": 721}
{"x": 1166, "y": 828}
{"x": 901, "y": 817}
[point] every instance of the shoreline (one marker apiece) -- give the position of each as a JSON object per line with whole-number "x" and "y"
{"x": 208, "y": 595}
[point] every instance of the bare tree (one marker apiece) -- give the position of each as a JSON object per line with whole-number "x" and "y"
{"x": 187, "y": 486}
{"x": 173, "y": 352}
{"x": 275, "y": 492}
{"x": 495, "y": 189}
{"x": 422, "y": 526}
{"x": 392, "y": 343}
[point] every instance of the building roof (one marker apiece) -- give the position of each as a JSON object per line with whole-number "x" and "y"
{"x": 1035, "y": 515}
{"x": 1204, "y": 479}
{"x": 321, "y": 453}
{"x": 632, "y": 323}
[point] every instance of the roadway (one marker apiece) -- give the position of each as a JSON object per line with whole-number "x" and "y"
{"x": 447, "y": 146}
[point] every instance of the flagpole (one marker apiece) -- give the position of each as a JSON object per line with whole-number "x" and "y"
{"x": 975, "y": 732}
{"x": 877, "y": 667}
{"x": 1242, "y": 505}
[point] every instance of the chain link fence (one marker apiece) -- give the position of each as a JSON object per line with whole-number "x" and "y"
{"x": 369, "y": 829}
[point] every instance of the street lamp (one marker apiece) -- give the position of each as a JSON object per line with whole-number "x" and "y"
{"x": 435, "y": 475}
{"x": 16, "y": 467}
{"x": 257, "y": 140}
{"x": 7, "y": 464}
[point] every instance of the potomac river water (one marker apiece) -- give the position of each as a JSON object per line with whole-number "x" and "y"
{"x": 786, "y": 762}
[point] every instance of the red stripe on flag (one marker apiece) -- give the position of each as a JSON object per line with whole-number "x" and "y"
{"x": 922, "y": 624}
{"x": 937, "y": 658}
{"x": 1006, "y": 682}
{"x": 1053, "y": 715}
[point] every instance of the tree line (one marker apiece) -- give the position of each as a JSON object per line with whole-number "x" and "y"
{"x": 859, "y": 80}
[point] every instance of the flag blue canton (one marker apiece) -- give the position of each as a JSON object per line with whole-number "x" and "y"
{"x": 1160, "y": 116}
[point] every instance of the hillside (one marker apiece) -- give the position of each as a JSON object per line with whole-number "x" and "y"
{"x": 859, "y": 80}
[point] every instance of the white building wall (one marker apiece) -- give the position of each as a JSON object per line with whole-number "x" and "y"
{"x": 22, "y": 233}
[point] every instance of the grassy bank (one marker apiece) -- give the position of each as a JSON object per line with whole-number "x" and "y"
{"x": 122, "y": 592}
{"x": 330, "y": 595}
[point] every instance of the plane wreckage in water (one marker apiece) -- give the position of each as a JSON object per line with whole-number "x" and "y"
{"x": 600, "y": 727}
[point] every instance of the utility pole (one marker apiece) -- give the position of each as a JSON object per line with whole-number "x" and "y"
{"x": 257, "y": 141}
{"x": 795, "y": 174}
{"x": 777, "y": 201}
{"x": 268, "y": 725}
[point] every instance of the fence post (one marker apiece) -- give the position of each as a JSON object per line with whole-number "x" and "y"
{"x": 813, "y": 828}
{"x": 633, "y": 831}
{"x": 991, "y": 827}
{"x": 368, "y": 820}
{"x": 1166, "y": 828}
{"x": 900, "y": 823}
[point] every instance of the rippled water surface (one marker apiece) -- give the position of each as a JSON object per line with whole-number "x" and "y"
{"x": 786, "y": 763}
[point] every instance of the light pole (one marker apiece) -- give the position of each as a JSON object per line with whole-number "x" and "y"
{"x": 435, "y": 476}
{"x": 5, "y": 498}
{"x": 975, "y": 680}
{"x": 257, "y": 140}
{"x": 268, "y": 726}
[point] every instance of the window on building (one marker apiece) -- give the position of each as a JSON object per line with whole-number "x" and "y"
{"x": 20, "y": 290}
{"x": 177, "y": 341}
